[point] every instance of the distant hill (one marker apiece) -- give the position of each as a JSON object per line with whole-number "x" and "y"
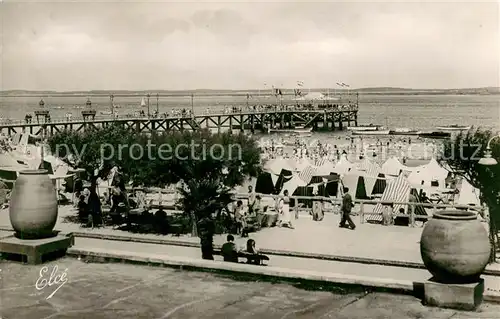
{"x": 212, "y": 92}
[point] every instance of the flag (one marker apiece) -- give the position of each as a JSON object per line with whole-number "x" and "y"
{"x": 300, "y": 83}
{"x": 339, "y": 84}
{"x": 344, "y": 85}
{"x": 277, "y": 92}
{"x": 297, "y": 92}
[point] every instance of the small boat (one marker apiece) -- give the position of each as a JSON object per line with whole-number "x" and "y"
{"x": 370, "y": 127}
{"x": 454, "y": 127}
{"x": 403, "y": 131}
{"x": 434, "y": 135}
{"x": 376, "y": 132}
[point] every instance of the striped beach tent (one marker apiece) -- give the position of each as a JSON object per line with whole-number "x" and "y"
{"x": 307, "y": 173}
{"x": 397, "y": 190}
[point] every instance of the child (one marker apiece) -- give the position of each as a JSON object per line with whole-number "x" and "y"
{"x": 229, "y": 251}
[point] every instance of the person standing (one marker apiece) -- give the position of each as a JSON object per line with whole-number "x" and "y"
{"x": 251, "y": 199}
{"x": 347, "y": 206}
{"x": 285, "y": 217}
{"x": 206, "y": 231}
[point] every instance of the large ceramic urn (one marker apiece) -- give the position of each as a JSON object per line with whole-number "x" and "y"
{"x": 455, "y": 247}
{"x": 33, "y": 205}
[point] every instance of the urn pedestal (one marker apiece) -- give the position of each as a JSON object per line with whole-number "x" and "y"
{"x": 33, "y": 215}
{"x": 455, "y": 249}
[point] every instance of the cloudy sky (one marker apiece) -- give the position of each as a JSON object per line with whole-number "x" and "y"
{"x": 173, "y": 45}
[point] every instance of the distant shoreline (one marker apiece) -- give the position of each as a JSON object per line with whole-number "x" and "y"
{"x": 241, "y": 94}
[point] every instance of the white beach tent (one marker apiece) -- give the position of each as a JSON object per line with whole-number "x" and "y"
{"x": 301, "y": 163}
{"x": 353, "y": 181}
{"x": 276, "y": 165}
{"x": 343, "y": 166}
{"x": 469, "y": 195}
{"x": 325, "y": 168}
{"x": 7, "y": 160}
{"x": 393, "y": 167}
{"x": 431, "y": 174}
{"x": 293, "y": 184}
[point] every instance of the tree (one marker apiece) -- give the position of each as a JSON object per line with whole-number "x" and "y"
{"x": 462, "y": 154}
{"x": 208, "y": 166}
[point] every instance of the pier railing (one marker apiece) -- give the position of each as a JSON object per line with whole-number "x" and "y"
{"x": 336, "y": 202}
{"x": 133, "y": 117}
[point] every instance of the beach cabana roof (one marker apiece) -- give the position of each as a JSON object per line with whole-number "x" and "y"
{"x": 277, "y": 164}
{"x": 325, "y": 168}
{"x": 393, "y": 167}
{"x": 426, "y": 174}
{"x": 343, "y": 166}
{"x": 355, "y": 182}
{"x": 293, "y": 184}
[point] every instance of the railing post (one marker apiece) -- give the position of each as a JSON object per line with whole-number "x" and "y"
{"x": 296, "y": 209}
{"x": 362, "y": 213}
{"x": 434, "y": 209}
{"x": 412, "y": 214}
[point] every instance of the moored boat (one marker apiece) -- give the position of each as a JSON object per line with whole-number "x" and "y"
{"x": 369, "y": 127}
{"x": 403, "y": 131}
{"x": 376, "y": 132}
{"x": 434, "y": 134}
{"x": 454, "y": 127}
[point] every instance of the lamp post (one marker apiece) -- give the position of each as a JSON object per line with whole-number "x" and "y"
{"x": 488, "y": 160}
{"x": 157, "y": 104}
{"x": 148, "y": 95}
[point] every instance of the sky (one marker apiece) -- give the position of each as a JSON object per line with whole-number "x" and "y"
{"x": 145, "y": 45}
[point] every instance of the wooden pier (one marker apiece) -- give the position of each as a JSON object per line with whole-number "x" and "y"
{"x": 328, "y": 119}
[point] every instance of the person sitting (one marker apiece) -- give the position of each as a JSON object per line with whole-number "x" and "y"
{"x": 254, "y": 260}
{"x": 229, "y": 251}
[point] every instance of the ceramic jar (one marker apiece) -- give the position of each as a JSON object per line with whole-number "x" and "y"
{"x": 33, "y": 205}
{"x": 455, "y": 247}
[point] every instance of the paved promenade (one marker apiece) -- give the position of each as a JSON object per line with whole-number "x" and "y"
{"x": 391, "y": 243}
{"x": 106, "y": 291}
